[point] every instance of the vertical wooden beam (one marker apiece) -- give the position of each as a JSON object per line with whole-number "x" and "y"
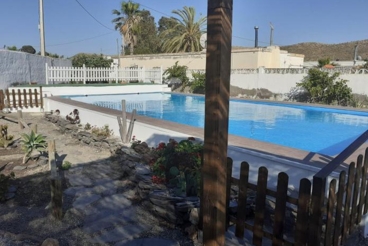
{"x": 131, "y": 125}
{"x": 330, "y": 212}
{"x": 56, "y": 198}
{"x": 41, "y": 97}
{"x": 30, "y": 98}
{"x": 25, "y": 98}
{"x": 229, "y": 174}
{"x": 339, "y": 212}
{"x": 318, "y": 197}
{"x": 242, "y": 200}
{"x": 19, "y": 99}
{"x": 20, "y": 118}
{"x": 218, "y": 60}
{"x": 52, "y": 158}
{"x": 124, "y": 122}
{"x": 302, "y": 217}
{"x": 34, "y": 128}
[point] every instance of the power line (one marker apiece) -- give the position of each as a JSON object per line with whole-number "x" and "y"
{"x": 170, "y": 16}
{"x": 81, "y": 40}
{"x": 93, "y": 16}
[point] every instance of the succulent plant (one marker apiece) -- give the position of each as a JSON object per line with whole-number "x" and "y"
{"x": 32, "y": 142}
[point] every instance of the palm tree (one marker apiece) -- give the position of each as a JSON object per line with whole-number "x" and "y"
{"x": 184, "y": 33}
{"x": 127, "y": 23}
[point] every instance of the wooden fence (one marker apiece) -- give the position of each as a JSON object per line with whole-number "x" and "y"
{"x": 21, "y": 98}
{"x": 290, "y": 220}
{"x": 100, "y": 74}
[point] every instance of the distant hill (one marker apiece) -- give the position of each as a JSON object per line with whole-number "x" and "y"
{"x": 342, "y": 51}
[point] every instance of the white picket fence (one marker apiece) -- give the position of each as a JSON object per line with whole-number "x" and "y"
{"x": 111, "y": 75}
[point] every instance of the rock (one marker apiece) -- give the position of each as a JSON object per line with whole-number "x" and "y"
{"x": 132, "y": 155}
{"x": 147, "y": 158}
{"x": 50, "y": 242}
{"x": 83, "y": 201}
{"x": 194, "y": 216}
{"x": 142, "y": 148}
{"x": 71, "y": 127}
{"x": 72, "y": 191}
{"x": 167, "y": 213}
{"x": 141, "y": 169}
{"x": 79, "y": 180}
{"x": 33, "y": 165}
{"x": 19, "y": 168}
{"x": 114, "y": 202}
{"x": 12, "y": 188}
{"x": 9, "y": 195}
{"x": 84, "y": 134}
{"x": 42, "y": 162}
{"x": 86, "y": 140}
{"x": 148, "y": 242}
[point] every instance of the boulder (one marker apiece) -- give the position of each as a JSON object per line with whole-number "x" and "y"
{"x": 50, "y": 242}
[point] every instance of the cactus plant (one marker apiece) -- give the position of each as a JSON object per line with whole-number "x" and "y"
{"x": 32, "y": 142}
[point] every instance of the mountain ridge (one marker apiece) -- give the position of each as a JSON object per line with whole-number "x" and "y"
{"x": 314, "y": 51}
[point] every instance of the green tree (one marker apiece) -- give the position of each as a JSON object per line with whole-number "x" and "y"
{"x": 90, "y": 60}
{"x": 147, "y": 39}
{"x": 321, "y": 87}
{"x": 13, "y": 48}
{"x": 28, "y": 49}
{"x": 198, "y": 83}
{"x": 127, "y": 23}
{"x": 185, "y": 34}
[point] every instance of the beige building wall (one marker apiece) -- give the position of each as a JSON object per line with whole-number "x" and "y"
{"x": 270, "y": 57}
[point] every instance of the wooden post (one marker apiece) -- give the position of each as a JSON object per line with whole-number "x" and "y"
{"x": 131, "y": 125}
{"x": 56, "y": 198}
{"x": 218, "y": 60}
{"x": 34, "y": 128}
{"x": 20, "y": 117}
{"x": 52, "y": 158}
{"x": 124, "y": 122}
{"x": 41, "y": 98}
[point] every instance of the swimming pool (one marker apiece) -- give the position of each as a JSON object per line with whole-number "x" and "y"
{"x": 317, "y": 129}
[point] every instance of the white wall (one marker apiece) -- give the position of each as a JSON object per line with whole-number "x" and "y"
{"x": 21, "y": 67}
{"x": 282, "y": 83}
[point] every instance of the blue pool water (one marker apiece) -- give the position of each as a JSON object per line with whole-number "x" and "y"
{"x": 317, "y": 129}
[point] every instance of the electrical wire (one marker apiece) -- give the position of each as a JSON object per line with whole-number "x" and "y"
{"x": 93, "y": 16}
{"x": 81, "y": 40}
{"x": 248, "y": 39}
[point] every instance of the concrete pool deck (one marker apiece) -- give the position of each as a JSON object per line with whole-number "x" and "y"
{"x": 296, "y": 163}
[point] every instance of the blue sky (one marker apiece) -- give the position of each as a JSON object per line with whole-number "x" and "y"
{"x": 70, "y": 30}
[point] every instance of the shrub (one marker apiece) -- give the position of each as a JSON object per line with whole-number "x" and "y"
{"x": 66, "y": 165}
{"x": 198, "y": 83}
{"x": 321, "y": 87}
{"x": 87, "y": 127}
{"x": 178, "y": 165}
{"x": 90, "y": 60}
{"x": 5, "y": 139}
{"x": 103, "y": 131}
{"x": 28, "y": 49}
{"x": 32, "y": 142}
{"x": 177, "y": 71}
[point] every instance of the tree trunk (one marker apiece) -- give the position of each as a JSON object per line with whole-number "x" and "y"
{"x": 131, "y": 47}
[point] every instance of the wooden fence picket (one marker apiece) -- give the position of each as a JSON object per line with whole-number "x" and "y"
{"x": 338, "y": 215}
{"x": 354, "y": 206}
{"x": 330, "y": 211}
{"x": 302, "y": 217}
{"x": 348, "y": 200}
{"x": 280, "y": 209}
{"x": 242, "y": 199}
{"x": 260, "y": 206}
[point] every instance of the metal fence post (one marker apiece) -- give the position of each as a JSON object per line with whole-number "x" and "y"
{"x": 47, "y": 73}
{"x": 84, "y": 74}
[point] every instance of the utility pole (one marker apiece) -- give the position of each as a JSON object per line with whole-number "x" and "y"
{"x": 271, "y": 35}
{"x": 256, "y": 37}
{"x": 214, "y": 171}
{"x": 42, "y": 30}
{"x": 118, "y": 50}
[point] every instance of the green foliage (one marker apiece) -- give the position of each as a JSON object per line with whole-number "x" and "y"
{"x": 13, "y": 48}
{"x": 179, "y": 165}
{"x": 90, "y": 60}
{"x": 32, "y": 142}
{"x": 66, "y": 165}
{"x": 365, "y": 66}
{"x": 103, "y": 131}
{"x": 52, "y": 55}
{"x": 184, "y": 35}
{"x": 5, "y": 139}
{"x": 147, "y": 39}
{"x": 177, "y": 71}
{"x": 325, "y": 61}
{"x": 127, "y": 20}
{"x": 198, "y": 83}
{"x": 28, "y": 49}
{"x": 87, "y": 127}
{"x": 321, "y": 87}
